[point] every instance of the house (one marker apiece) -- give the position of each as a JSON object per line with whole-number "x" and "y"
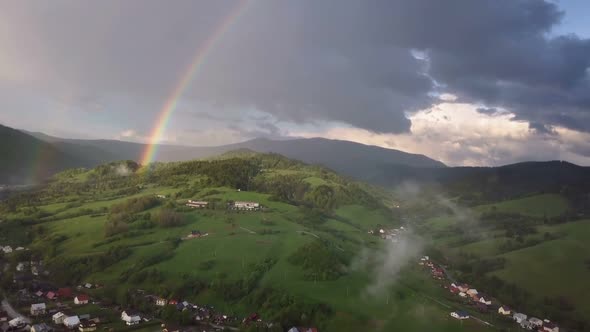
{"x": 194, "y": 234}
{"x": 71, "y": 322}
{"x": 58, "y": 318}
{"x": 536, "y": 321}
{"x": 7, "y": 249}
{"x": 504, "y": 310}
{"x": 21, "y": 266}
{"x": 453, "y": 289}
{"x": 462, "y": 294}
{"x": 3, "y": 316}
{"x": 485, "y": 301}
{"x": 18, "y": 322}
{"x": 51, "y": 295}
{"x": 19, "y": 249}
{"x": 161, "y": 196}
{"x": 242, "y": 205}
{"x": 130, "y": 317}
{"x": 88, "y": 285}
{"x": 81, "y": 299}
{"x": 173, "y": 302}
{"x": 41, "y": 328}
{"x": 161, "y": 302}
{"x": 39, "y": 294}
{"x": 459, "y": 315}
{"x": 471, "y": 292}
{"x": 64, "y": 292}
{"x": 550, "y": 327}
{"x": 197, "y": 204}
{"x": 87, "y": 326}
{"x": 38, "y": 309}
{"x": 519, "y": 317}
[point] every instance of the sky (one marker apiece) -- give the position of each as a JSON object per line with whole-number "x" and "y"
{"x": 467, "y": 82}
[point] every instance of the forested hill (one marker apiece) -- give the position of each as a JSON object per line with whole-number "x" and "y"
{"x": 476, "y": 185}
{"x": 27, "y": 159}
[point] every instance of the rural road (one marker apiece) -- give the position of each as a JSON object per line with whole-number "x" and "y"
{"x": 13, "y": 313}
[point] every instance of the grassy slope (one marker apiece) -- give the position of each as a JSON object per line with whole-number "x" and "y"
{"x": 549, "y": 205}
{"x": 550, "y": 262}
{"x": 234, "y": 246}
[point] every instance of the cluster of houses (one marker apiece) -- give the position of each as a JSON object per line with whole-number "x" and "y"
{"x": 484, "y": 303}
{"x": 235, "y": 205}
{"x": 388, "y": 234}
{"x": 201, "y": 314}
{"x": 36, "y": 268}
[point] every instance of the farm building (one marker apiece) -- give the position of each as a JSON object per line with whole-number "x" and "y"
{"x": 242, "y": 205}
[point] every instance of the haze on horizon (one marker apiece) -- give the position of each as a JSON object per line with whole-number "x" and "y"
{"x": 466, "y": 82}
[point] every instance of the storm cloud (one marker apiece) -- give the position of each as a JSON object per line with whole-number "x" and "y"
{"x": 364, "y": 64}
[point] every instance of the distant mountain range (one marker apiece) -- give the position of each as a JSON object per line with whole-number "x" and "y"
{"x": 28, "y": 156}
{"x": 352, "y": 159}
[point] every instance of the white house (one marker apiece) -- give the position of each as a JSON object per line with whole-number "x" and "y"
{"x": 459, "y": 315}
{"x": 58, "y": 318}
{"x": 471, "y": 292}
{"x": 38, "y": 309}
{"x": 462, "y": 294}
{"x": 161, "y": 302}
{"x": 504, "y": 310}
{"x": 519, "y": 317}
{"x": 71, "y": 322}
{"x": 7, "y": 249}
{"x": 197, "y": 204}
{"x": 241, "y": 205}
{"x": 130, "y": 317}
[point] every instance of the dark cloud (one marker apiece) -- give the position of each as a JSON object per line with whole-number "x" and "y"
{"x": 308, "y": 61}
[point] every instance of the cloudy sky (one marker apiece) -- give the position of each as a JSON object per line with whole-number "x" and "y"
{"x": 468, "y": 82}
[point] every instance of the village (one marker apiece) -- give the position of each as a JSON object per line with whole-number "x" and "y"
{"x": 482, "y": 302}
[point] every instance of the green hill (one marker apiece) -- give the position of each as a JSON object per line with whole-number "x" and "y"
{"x": 290, "y": 261}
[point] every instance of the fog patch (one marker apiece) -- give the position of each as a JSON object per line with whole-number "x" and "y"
{"x": 384, "y": 265}
{"x": 123, "y": 170}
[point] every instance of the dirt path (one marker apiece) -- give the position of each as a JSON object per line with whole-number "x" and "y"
{"x": 13, "y": 313}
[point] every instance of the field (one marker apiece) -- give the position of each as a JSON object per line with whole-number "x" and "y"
{"x": 549, "y": 205}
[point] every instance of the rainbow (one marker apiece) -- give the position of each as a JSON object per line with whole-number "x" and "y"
{"x": 198, "y": 60}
